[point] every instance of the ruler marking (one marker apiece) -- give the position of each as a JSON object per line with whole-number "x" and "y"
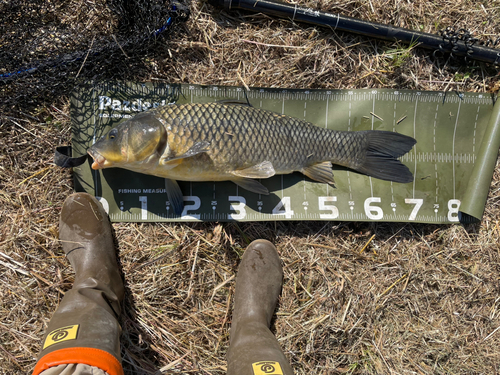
{"x": 326, "y": 116}
{"x": 435, "y": 163}
{"x": 282, "y": 189}
{"x": 349, "y": 183}
{"x": 350, "y": 107}
{"x": 373, "y": 119}
{"x": 394, "y": 130}
{"x": 305, "y": 194}
{"x": 373, "y": 111}
{"x": 475, "y": 128}
{"x": 415, "y": 147}
{"x": 453, "y": 148}
{"x": 394, "y": 118}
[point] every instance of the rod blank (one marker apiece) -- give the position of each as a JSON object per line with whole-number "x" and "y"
{"x": 371, "y": 29}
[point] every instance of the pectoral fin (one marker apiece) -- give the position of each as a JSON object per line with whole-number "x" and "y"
{"x": 196, "y": 149}
{"x": 261, "y": 170}
{"x": 321, "y": 172}
{"x": 251, "y": 185}
{"x": 175, "y": 196}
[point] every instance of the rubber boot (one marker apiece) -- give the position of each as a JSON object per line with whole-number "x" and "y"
{"x": 84, "y": 328}
{"x": 253, "y": 349}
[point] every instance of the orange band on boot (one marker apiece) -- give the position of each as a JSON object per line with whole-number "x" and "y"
{"x": 89, "y": 356}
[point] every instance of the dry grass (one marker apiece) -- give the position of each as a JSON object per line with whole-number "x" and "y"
{"x": 357, "y": 298}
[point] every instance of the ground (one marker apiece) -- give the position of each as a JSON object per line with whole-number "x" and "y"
{"x": 358, "y": 298}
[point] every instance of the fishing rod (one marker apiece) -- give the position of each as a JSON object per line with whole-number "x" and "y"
{"x": 458, "y": 44}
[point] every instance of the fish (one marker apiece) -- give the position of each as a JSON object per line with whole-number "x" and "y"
{"x": 223, "y": 141}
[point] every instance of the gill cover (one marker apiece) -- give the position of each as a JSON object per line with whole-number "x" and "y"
{"x": 145, "y": 137}
{"x": 131, "y": 141}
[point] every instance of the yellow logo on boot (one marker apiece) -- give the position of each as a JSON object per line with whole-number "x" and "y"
{"x": 267, "y": 368}
{"x": 60, "y": 335}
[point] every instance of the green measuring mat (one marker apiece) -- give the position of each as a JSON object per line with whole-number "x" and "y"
{"x": 457, "y": 144}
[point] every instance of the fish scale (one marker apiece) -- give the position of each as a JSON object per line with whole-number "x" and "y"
{"x": 247, "y": 136}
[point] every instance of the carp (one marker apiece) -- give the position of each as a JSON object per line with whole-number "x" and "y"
{"x": 240, "y": 143}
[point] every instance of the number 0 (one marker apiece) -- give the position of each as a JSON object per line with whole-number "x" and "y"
{"x": 104, "y": 203}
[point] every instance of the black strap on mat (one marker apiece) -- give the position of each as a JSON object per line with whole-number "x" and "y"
{"x": 63, "y": 159}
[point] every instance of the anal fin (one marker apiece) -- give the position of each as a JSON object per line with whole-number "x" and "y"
{"x": 251, "y": 185}
{"x": 321, "y": 172}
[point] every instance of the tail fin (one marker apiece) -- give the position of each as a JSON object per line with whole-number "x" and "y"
{"x": 381, "y": 156}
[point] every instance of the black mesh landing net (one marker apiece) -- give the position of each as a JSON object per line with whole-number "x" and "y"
{"x": 49, "y": 46}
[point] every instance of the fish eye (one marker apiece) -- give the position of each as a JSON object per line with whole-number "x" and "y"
{"x": 112, "y": 134}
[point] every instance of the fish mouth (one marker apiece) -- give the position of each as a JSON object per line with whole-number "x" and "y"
{"x": 99, "y": 160}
